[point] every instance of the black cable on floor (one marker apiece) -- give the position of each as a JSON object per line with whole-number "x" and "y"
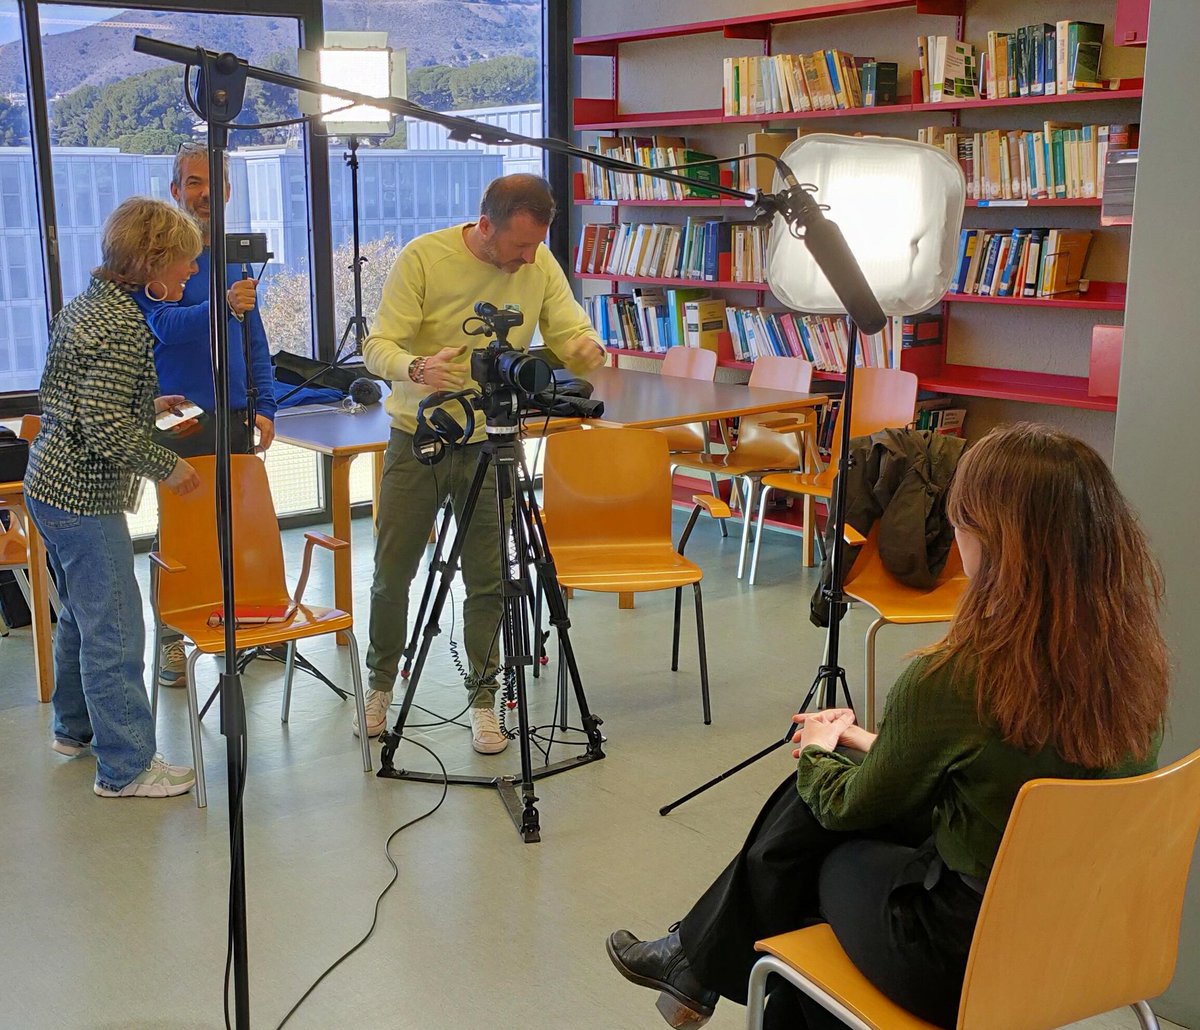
{"x": 379, "y": 900}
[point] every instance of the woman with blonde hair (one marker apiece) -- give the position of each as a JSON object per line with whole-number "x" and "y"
{"x": 1054, "y": 665}
{"x": 99, "y": 399}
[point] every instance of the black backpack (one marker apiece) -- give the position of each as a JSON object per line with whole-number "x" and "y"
{"x": 14, "y": 456}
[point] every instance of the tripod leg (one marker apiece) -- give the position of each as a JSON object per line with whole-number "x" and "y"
{"x": 391, "y": 738}
{"x": 410, "y": 648}
{"x": 675, "y": 631}
{"x": 703, "y": 653}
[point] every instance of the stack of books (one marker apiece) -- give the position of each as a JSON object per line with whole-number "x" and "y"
{"x": 709, "y": 250}
{"x": 825, "y": 80}
{"x": 1021, "y": 262}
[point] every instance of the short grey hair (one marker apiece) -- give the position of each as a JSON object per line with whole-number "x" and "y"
{"x": 186, "y": 152}
{"x": 512, "y": 194}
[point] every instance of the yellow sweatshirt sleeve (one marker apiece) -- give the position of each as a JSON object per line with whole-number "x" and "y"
{"x": 562, "y": 318}
{"x": 387, "y": 350}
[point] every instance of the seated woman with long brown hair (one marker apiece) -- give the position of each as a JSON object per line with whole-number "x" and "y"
{"x": 1053, "y": 666}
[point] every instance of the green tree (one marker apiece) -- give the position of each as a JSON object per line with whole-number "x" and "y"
{"x": 121, "y": 112}
{"x": 430, "y": 87}
{"x": 285, "y": 297}
{"x": 266, "y": 102}
{"x": 14, "y": 124}
{"x": 495, "y": 83}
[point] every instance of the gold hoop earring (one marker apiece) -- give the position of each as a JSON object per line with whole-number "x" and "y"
{"x": 157, "y": 300}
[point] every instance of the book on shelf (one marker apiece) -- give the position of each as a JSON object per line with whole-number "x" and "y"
{"x": 252, "y": 614}
{"x": 824, "y": 80}
{"x": 703, "y": 321}
{"x": 951, "y": 69}
{"x": 1068, "y": 36}
{"x": 677, "y": 300}
{"x": 938, "y": 415}
{"x": 650, "y": 152}
{"x": 1021, "y": 262}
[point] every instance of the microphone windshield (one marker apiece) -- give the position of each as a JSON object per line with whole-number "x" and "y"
{"x": 365, "y": 391}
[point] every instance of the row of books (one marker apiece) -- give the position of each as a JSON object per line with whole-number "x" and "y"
{"x": 1032, "y": 60}
{"x": 1064, "y": 160}
{"x": 1022, "y": 263}
{"x": 938, "y": 415}
{"x": 702, "y": 249}
{"x": 825, "y": 80}
{"x": 650, "y": 152}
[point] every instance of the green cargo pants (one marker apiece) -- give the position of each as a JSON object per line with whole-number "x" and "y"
{"x": 409, "y": 496}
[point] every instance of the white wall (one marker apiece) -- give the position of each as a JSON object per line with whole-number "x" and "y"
{"x": 1160, "y": 373}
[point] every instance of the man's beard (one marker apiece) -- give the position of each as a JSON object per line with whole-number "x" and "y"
{"x": 202, "y": 223}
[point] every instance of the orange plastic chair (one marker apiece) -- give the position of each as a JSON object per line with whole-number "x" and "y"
{"x": 869, "y": 582}
{"x": 610, "y": 492}
{"x": 188, "y": 584}
{"x": 884, "y": 398}
{"x": 688, "y": 363}
{"x": 759, "y": 448}
{"x": 14, "y": 544}
{"x": 1090, "y": 872}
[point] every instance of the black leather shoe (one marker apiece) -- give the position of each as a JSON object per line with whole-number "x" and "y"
{"x": 663, "y": 965}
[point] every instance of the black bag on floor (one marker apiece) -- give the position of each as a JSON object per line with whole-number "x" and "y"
{"x": 12, "y": 602}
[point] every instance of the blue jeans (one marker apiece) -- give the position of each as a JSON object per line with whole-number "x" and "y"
{"x": 99, "y": 688}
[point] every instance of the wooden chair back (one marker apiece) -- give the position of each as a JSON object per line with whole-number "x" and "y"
{"x": 608, "y": 488}
{"x": 31, "y": 425}
{"x": 188, "y": 535}
{"x": 1082, "y": 911}
{"x": 690, "y": 363}
{"x": 884, "y": 398}
{"x": 14, "y": 545}
{"x": 771, "y": 372}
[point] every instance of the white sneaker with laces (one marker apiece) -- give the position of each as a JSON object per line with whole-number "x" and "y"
{"x": 160, "y": 780}
{"x": 486, "y": 737}
{"x": 377, "y": 703}
{"x": 69, "y": 747}
{"x": 172, "y": 665}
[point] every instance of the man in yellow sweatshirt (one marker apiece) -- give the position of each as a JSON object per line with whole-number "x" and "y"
{"x": 417, "y": 341}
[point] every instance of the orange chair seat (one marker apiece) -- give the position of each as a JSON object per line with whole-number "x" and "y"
{"x": 615, "y": 570}
{"x": 816, "y": 953}
{"x": 306, "y": 622}
{"x": 906, "y": 606}
{"x": 730, "y": 464}
{"x": 815, "y": 483}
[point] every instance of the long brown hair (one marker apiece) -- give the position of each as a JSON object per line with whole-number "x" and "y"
{"x": 1060, "y": 623}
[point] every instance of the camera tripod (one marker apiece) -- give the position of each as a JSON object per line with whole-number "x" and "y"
{"x": 522, "y": 543}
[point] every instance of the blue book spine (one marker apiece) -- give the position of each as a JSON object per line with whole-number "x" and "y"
{"x": 989, "y": 265}
{"x": 968, "y": 241}
{"x": 710, "y": 251}
{"x": 1010, "y": 265}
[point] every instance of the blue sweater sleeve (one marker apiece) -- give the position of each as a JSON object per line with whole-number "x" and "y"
{"x": 262, "y": 369}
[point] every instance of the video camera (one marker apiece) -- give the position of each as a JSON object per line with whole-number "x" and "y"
{"x": 512, "y": 382}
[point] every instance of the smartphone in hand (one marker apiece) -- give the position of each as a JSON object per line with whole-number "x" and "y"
{"x": 177, "y": 416}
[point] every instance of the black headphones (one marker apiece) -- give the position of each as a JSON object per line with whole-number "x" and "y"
{"x": 438, "y": 430}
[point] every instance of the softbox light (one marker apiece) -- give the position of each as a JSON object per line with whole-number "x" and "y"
{"x": 363, "y": 63}
{"x": 899, "y": 205}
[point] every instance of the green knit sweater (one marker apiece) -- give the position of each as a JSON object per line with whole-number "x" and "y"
{"x": 935, "y": 763}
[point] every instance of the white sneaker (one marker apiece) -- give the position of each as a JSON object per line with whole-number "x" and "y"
{"x": 486, "y": 737}
{"x": 377, "y": 704}
{"x": 172, "y": 665}
{"x": 161, "y": 780}
{"x": 69, "y": 747}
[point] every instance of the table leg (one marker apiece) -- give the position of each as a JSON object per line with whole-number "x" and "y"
{"x": 343, "y": 586}
{"x": 377, "y": 471}
{"x": 624, "y": 600}
{"x": 39, "y": 587}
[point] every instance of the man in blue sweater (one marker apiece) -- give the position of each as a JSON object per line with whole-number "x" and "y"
{"x": 183, "y": 359}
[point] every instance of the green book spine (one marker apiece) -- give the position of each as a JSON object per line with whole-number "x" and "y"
{"x": 1060, "y": 163}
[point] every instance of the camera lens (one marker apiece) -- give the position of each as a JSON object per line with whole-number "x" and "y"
{"x": 523, "y": 372}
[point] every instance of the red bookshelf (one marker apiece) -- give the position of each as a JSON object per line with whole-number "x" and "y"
{"x": 1013, "y": 385}
{"x": 702, "y": 202}
{"x": 757, "y": 26}
{"x": 641, "y": 281}
{"x": 1131, "y": 89}
{"x": 1052, "y": 202}
{"x": 1099, "y": 297}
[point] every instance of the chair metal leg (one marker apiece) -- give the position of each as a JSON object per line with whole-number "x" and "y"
{"x": 749, "y": 496}
{"x": 763, "y": 497}
{"x": 23, "y": 584}
{"x": 3, "y": 626}
{"x": 675, "y": 631}
{"x": 872, "y": 630}
{"x": 703, "y": 654}
{"x": 359, "y": 700}
{"x": 289, "y": 668}
{"x": 155, "y": 669}
{"x": 194, "y": 725}
{"x": 1146, "y": 1019}
{"x": 756, "y": 1003}
{"x": 712, "y": 481}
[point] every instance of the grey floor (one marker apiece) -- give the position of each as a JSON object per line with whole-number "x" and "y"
{"x": 114, "y": 912}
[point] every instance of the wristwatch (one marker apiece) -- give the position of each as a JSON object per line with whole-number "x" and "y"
{"x": 416, "y": 370}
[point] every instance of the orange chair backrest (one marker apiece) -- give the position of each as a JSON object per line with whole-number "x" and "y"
{"x": 14, "y": 547}
{"x": 31, "y": 425}
{"x": 690, "y": 363}
{"x": 1082, "y": 911}
{"x": 869, "y": 574}
{"x": 772, "y": 372}
{"x": 608, "y": 487}
{"x": 188, "y": 534}
{"x": 884, "y": 398}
